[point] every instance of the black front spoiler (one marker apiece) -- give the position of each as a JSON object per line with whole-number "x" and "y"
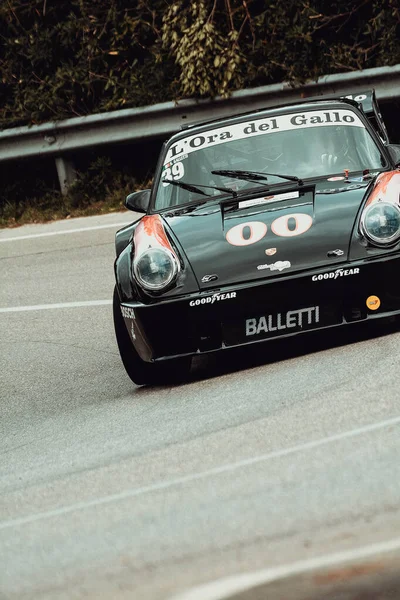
{"x": 204, "y": 322}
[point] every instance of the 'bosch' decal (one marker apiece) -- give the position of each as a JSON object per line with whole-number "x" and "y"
{"x": 127, "y": 312}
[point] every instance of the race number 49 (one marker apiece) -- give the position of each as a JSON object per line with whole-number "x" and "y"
{"x": 175, "y": 172}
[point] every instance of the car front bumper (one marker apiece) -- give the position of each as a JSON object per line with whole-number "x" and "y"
{"x": 260, "y": 311}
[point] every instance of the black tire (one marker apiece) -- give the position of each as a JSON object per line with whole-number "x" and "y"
{"x": 141, "y": 372}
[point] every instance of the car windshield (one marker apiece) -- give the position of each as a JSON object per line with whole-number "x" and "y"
{"x": 306, "y": 144}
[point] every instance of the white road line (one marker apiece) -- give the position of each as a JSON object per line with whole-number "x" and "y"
{"x": 64, "y": 232}
{"x": 164, "y": 485}
{"x": 52, "y": 306}
{"x": 232, "y": 586}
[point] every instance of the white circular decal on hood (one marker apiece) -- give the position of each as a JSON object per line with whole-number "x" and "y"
{"x": 301, "y": 221}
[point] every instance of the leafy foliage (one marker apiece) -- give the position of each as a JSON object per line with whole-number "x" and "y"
{"x": 204, "y": 47}
{"x": 99, "y": 188}
{"x": 62, "y": 58}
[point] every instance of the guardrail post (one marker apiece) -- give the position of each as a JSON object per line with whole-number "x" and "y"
{"x": 66, "y": 173}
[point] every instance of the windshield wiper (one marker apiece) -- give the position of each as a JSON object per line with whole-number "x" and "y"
{"x": 254, "y": 175}
{"x": 196, "y": 188}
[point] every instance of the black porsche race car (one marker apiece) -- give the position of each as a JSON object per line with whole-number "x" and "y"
{"x": 258, "y": 226}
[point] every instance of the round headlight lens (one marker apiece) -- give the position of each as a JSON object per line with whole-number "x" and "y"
{"x": 380, "y": 223}
{"x": 155, "y": 269}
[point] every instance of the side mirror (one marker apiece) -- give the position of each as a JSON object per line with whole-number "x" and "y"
{"x": 138, "y": 201}
{"x": 394, "y": 152}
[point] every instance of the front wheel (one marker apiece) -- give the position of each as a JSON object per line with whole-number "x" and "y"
{"x": 141, "y": 372}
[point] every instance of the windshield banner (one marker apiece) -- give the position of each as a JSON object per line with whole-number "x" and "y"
{"x": 294, "y": 121}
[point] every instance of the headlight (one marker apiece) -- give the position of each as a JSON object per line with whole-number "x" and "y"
{"x": 155, "y": 268}
{"x": 380, "y": 223}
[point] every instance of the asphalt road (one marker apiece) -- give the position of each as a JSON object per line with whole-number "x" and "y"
{"x": 263, "y": 458}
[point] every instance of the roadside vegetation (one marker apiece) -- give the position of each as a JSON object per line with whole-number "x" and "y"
{"x": 99, "y": 188}
{"x": 65, "y": 58}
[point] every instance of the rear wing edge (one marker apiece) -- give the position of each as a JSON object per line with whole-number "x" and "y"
{"x": 367, "y": 101}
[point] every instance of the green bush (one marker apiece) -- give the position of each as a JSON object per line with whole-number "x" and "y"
{"x": 99, "y": 188}
{"x": 76, "y": 57}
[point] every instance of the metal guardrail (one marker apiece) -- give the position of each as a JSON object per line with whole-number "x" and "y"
{"x": 60, "y": 139}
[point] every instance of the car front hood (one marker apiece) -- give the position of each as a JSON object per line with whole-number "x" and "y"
{"x": 297, "y": 229}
